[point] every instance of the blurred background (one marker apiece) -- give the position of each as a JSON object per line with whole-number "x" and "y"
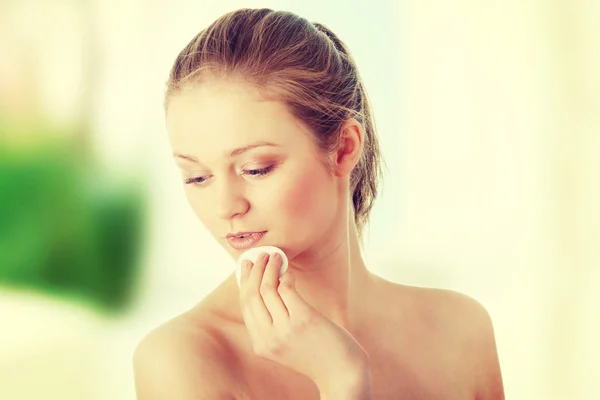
{"x": 489, "y": 116}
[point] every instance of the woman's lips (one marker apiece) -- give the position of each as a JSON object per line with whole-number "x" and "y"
{"x": 247, "y": 242}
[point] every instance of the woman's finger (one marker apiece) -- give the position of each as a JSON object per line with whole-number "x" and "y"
{"x": 250, "y": 293}
{"x": 249, "y": 320}
{"x": 245, "y": 271}
{"x": 268, "y": 290}
{"x": 292, "y": 300}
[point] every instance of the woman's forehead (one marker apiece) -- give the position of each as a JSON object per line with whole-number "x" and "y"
{"x": 216, "y": 118}
{"x": 224, "y": 106}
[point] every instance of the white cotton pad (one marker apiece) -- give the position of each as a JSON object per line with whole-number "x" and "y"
{"x": 253, "y": 253}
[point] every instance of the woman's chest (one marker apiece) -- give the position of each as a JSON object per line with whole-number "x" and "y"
{"x": 409, "y": 360}
{"x": 417, "y": 375}
{"x": 397, "y": 374}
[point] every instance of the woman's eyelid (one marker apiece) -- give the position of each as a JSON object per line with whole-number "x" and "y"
{"x": 194, "y": 171}
{"x": 254, "y": 166}
{"x": 246, "y": 166}
{"x": 260, "y": 161}
{"x": 196, "y": 176}
{"x": 268, "y": 164}
{"x": 254, "y": 173}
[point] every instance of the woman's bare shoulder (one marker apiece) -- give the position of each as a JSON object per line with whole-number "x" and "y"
{"x": 182, "y": 359}
{"x": 437, "y": 305}
{"x": 449, "y": 305}
{"x": 466, "y": 325}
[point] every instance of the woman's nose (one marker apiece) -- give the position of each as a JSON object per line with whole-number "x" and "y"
{"x": 231, "y": 201}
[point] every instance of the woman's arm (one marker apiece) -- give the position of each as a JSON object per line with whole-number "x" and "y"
{"x": 354, "y": 384}
{"x": 482, "y": 344}
{"x": 469, "y": 328}
{"x": 490, "y": 384}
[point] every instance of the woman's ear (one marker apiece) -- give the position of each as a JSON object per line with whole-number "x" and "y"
{"x": 350, "y": 148}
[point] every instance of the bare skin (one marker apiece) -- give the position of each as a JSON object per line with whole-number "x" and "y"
{"x": 420, "y": 343}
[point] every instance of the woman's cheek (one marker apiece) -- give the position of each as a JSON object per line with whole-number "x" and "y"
{"x": 200, "y": 210}
{"x": 300, "y": 197}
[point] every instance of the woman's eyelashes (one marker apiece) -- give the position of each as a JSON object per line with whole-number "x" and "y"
{"x": 260, "y": 171}
{"x": 200, "y": 180}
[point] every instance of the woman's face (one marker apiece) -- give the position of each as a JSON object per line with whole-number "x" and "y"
{"x": 279, "y": 186}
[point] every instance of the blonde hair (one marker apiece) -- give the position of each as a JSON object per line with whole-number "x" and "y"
{"x": 303, "y": 65}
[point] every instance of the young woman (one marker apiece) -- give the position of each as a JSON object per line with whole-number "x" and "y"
{"x": 271, "y": 128}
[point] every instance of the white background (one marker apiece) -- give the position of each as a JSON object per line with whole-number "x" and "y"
{"x": 488, "y": 114}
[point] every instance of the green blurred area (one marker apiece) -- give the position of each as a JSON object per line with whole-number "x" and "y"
{"x": 67, "y": 226}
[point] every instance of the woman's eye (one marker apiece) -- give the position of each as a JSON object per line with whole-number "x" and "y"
{"x": 200, "y": 180}
{"x": 261, "y": 171}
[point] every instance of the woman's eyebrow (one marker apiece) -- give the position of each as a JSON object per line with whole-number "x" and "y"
{"x": 241, "y": 150}
{"x": 234, "y": 153}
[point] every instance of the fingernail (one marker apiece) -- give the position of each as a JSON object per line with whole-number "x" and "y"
{"x": 275, "y": 256}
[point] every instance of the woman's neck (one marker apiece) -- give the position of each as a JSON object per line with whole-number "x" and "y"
{"x": 334, "y": 278}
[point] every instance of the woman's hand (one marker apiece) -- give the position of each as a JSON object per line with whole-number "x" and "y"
{"x": 285, "y": 329}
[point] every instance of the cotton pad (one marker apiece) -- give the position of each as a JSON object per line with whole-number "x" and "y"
{"x": 253, "y": 253}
